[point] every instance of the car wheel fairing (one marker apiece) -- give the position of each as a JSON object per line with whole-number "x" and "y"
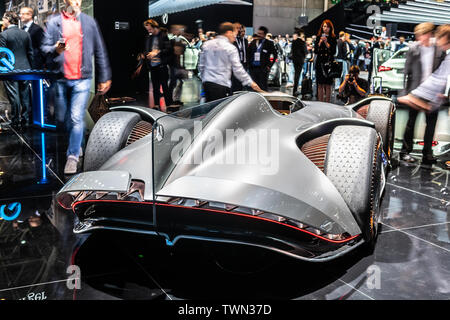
{"x": 109, "y": 135}
{"x": 382, "y": 114}
{"x": 353, "y": 164}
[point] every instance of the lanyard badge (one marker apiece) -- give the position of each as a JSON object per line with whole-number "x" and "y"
{"x": 258, "y": 52}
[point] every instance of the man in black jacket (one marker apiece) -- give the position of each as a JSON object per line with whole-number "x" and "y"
{"x": 343, "y": 51}
{"x": 19, "y": 42}
{"x": 241, "y": 44}
{"x": 159, "y": 53}
{"x": 422, "y": 59}
{"x": 37, "y": 36}
{"x": 258, "y": 56}
{"x": 178, "y": 72}
{"x": 299, "y": 52}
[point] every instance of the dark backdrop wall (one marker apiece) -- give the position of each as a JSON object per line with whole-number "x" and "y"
{"x": 123, "y": 45}
{"x": 337, "y": 16}
{"x": 2, "y": 8}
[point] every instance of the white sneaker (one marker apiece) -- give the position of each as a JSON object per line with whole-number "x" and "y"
{"x": 408, "y": 158}
{"x": 71, "y": 165}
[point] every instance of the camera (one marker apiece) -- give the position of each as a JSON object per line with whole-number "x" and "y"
{"x": 351, "y": 79}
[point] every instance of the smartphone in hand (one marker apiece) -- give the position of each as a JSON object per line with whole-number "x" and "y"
{"x": 62, "y": 42}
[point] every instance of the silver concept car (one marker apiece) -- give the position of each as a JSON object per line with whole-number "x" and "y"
{"x": 304, "y": 179}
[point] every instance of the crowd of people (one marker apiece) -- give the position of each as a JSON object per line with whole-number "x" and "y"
{"x": 322, "y": 61}
{"x": 230, "y": 61}
{"x": 225, "y": 62}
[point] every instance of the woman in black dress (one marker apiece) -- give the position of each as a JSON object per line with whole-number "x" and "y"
{"x": 325, "y": 49}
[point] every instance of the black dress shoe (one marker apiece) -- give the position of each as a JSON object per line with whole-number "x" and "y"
{"x": 15, "y": 125}
{"x": 25, "y": 123}
{"x": 428, "y": 161}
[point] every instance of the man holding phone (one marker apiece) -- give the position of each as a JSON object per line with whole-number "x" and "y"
{"x": 71, "y": 41}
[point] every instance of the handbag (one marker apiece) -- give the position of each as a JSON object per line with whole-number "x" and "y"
{"x": 98, "y": 107}
{"x": 138, "y": 69}
{"x": 332, "y": 69}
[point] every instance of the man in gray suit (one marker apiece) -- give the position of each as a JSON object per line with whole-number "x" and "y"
{"x": 423, "y": 58}
{"x": 19, "y": 42}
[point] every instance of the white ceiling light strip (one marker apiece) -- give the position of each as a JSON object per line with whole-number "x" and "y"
{"x": 409, "y": 13}
{"x": 433, "y": 3}
{"x": 429, "y": 5}
{"x": 408, "y": 19}
{"x": 420, "y": 9}
{"x": 422, "y": 18}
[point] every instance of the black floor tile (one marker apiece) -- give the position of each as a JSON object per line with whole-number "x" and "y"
{"x": 438, "y": 235}
{"x": 433, "y": 181}
{"x": 23, "y": 172}
{"x": 403, "y": 208}
{"x": 33, "y": 255}
{"x": 336, "y": 291}
{"x": 408, "y": 268}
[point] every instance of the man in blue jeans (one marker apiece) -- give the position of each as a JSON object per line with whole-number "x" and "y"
{"x": 72, "y": 40}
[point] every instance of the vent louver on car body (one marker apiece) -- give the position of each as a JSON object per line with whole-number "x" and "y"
{"x": 363, "y": 111}
{"x": 140, "y": 130}
{"x": 316, "y": 150}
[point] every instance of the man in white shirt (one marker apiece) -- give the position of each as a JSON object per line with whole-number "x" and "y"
{"x": 423, "y": 58}
{"x": 220, "y": 59}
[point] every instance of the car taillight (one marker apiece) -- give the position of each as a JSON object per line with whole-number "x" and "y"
{"x": 271, "y": 59}
{"x": 383, "y": 68}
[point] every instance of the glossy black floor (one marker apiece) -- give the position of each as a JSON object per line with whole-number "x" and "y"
{"x": 411, "y": 259}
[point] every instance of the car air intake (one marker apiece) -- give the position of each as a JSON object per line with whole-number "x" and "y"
{"x": 316, "y": 150}
{"x": 140, "y": 130}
